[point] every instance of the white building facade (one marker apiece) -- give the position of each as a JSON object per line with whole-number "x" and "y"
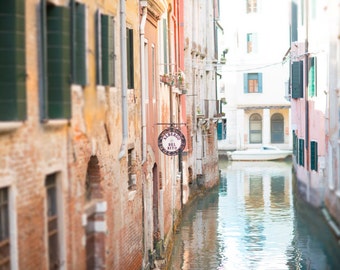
{"x": 254, "y": 79}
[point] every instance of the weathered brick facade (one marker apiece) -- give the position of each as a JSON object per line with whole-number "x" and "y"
{"x": 82, "y": 179}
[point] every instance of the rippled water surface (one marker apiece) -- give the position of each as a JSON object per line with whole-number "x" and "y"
{"x": 253, "y": 220}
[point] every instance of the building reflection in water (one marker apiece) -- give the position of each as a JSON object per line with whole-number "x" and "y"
{"x": 253, "y": 221}
{"x": 263, "y": 202}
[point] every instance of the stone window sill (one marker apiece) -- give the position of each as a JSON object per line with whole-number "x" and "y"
{"x": 9, "y": 126}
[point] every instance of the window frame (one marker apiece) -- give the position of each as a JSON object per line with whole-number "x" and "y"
{"x": 5, "y": 228}
{"x": 253, "y": 82}
{"x": 251, "y": 43}
{"x": 251, "y": 6}
{"x": 52, "y": 221}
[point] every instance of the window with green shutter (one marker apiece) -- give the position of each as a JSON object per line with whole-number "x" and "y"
{"x": 129, "y": 52}
{"x": 12, "y": 61}
{"x": 297, "y": 79}
{"x": 252, "y": 82}
{"x": 55, "y": 95}
{"x": 78, "y": 43}
{"x": 301, "y": 152}
{"x": 314, "y": 155}
{"x": 105, "y": 50}
{"x": 312, "y": 91}
{"x": 58, "y": 62}
{"x": 295, "y": 146}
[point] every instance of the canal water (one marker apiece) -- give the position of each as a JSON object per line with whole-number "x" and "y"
{"x": 254, "y": 220}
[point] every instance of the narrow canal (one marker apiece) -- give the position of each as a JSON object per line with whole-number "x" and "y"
{"x": 254, "y": 220}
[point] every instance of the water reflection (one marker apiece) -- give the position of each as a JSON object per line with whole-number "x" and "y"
{"x": 252, "y": 221}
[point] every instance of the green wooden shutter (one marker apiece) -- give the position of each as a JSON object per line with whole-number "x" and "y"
{"x": 245, "y": 82}
{"x": 297, "y": 79}
{"x": 219, "y": 130}
{"x": 130, "y": 64}
{"x": 259, "y": 79}
{"x": 294, "y": 24}
{"x": 301, "y": 152}
{"x": 12, "y": 61}
{"x": 314, "y": 155}
{"x": 111, "y": 52}
{"x": 312, "y": 77}
{"x": 58, "y": 62}
{"x": 98, "y": 49}
{"x": 105, "y": 48}
{"x": 78, "y": 44}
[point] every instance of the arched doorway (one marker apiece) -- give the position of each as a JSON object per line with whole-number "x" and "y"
{"x": 255, "y": 128}
{"x": 95, "y": 239}
{"x": 277, "y": 128}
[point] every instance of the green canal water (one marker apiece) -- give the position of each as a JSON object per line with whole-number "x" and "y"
{"x": 254, "y": 220}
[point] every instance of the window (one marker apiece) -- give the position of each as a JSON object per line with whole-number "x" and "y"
{"x": 56, "y": 65}
{"x": 5, "y": 256}
{"x": 314, "y": 156}
{"x": 78, "y": 44}
{"x": 297, "y": 79}
{"x": 312, "y": 91}
{"x": 132, "y": 169}
{"x": 251, "y": 42}
{"x": 12, "y": 61}
{"x": 253, "y": 83}
{"x": 295, "y": 146}
{"x": 52, "y": 222}
{"x": 255, "y": 128}
{"x": 301, "y": 152}
{"x": 222, "y": 129}
{"x": 105, "y": 53}
{"x": 277, "y": 128}
{"x": 251, "y": 6}
{"x": 130, "y": 64}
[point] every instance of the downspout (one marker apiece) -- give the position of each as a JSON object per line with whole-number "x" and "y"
{"x": 306, "y": 100}
{"x": 143, "y": 4}
{"x": 123, "y": 70}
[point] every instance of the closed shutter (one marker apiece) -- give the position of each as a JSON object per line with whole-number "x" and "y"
{"x": 314, "y": 156}
{"x": 111, "y": 53}
{"x": 312, "y": 77}
{"x": 301, "y": 152}
{"x": 259, "y": 78}
{"x": 105, "y": 48}
{"x": 78, "y": 44}
{"x": 297, "y": 79}
{"x": 245, "y": 82}
{"x": 106, "y": 54}
{"x": 130, "y": 64}
{"x": 219, "y": 131}
{"x": 58, "y": 62}
{"x": 12, "y": 61}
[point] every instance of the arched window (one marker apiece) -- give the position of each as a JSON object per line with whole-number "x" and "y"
{"x": 255, "y": 128}
{"x": 277, "y": 128}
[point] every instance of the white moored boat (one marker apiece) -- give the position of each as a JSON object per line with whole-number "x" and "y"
{"x": 264, "y": 153}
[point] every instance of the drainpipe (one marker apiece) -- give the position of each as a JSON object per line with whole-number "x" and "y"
{"x": 123, "y": 79}
{"x": 306, "y": 100}
{"x": 143, "y": 4}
